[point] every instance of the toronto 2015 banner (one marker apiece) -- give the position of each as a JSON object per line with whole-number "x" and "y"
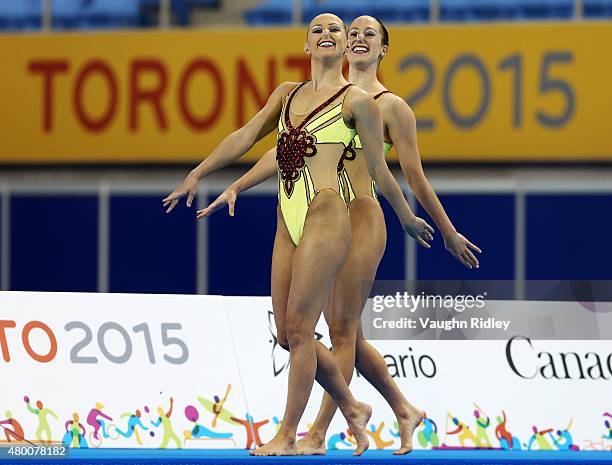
{"x": 171, "y": 371}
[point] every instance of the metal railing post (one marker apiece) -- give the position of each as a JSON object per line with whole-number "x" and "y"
{"x": 296, "y": 13}
{"x": 578, "y": 9}
{"x": 46, "y": 15}
{"x": 434, "y": 11}
{"x": 164, "y": 14}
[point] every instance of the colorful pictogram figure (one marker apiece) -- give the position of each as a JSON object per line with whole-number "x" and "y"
{"x": 74, "y": 437}
{"x": 14, "y": 430}
{"x": 428, "y": 433}
{"x": 221, "y": 413}
{"x": 463, "y": 432}
{"x": 217, "y": 407}
{"x": 505, "y": 438}
{"x": 564, "y": 441}
{"x": 134, "y": 421}
{"x": 482, "y": 423}
{"x": 95, "y": 420}
{"x": 538, "y": 437}
{"x": 43, "y": 423}
{"x": 375, "y": 434}
{"x": 252, "y": 430}
{"x": 333, "y": 441}
{"x": 168, "y": 431}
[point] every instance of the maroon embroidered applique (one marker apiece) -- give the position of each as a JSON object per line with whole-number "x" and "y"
{"x": 291, "y": 149}
{"x": 294, "y": 143}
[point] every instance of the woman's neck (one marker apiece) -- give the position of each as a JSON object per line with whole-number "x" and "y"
{"x": 326, "y": 73}
{"x": 365, "y": 77}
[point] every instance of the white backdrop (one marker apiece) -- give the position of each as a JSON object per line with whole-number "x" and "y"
{"x": 225, "y": 341}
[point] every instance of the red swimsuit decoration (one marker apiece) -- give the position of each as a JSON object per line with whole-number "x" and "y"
{"x": 294, "y": 143}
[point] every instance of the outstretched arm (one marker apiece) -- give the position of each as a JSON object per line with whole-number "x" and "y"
{"x": 32, "y": 409}
{"x": 401, "y": 124}
{"x": 368, "y": 122}
{"x": 263, "y": 169}
{"x": 232, "y": 147}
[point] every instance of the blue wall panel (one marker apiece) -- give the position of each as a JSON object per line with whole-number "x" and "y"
{"x": 487, "y": 220}
{"x": 151, "y": 251}
{"x": 240, "y": 248}
{"x": 393, "y": 263}
{"x": 54, "y": 243}
{"x": 568, "y": 237}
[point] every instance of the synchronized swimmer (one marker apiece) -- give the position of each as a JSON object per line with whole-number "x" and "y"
{"x": 322, "y": 255}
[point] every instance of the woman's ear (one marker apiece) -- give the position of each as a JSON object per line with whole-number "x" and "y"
{"x": 306, "y": 48}
{"x": 383, "y": 52}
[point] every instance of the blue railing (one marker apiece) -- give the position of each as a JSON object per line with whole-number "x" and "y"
{"x": 26, "y": 15}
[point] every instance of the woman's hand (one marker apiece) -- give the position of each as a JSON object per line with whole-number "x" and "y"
{"x": 420, "y": 230}
{"x": 459, "y": 247}
{"x": 227, "y": 197}
{"x": 188, "y": 187}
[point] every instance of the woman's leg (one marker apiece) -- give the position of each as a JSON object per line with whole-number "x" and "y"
{"x": 315, "y": 263}
{"x": 282, "y": 259}
{"x": 348, "y": 296}
{"x": 373, "y": 367}
{"x": 368, "y": 237}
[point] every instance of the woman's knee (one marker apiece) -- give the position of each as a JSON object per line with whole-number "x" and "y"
{"x": 297, "y": 332}
{"x": 343, "y": 332}
{"x": 282, "y": 341}
{"x": 281, "y": 335}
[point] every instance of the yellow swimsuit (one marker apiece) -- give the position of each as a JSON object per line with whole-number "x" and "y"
{"x": 300, "y": 176}
{"x": 353, "y": 176}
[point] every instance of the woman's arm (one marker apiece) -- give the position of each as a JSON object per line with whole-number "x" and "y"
{"x": 264, "y": 168}
{"x": 368, "y": 123}
{"x": 232, "y": 147}
{"x": 401, "y": 124}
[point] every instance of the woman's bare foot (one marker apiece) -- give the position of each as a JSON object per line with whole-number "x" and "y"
{"x": 357, "y": 421}
{"x": 407, "y": 424}
{"x": 311, "y": 444}
{"x": 279, "y": 445}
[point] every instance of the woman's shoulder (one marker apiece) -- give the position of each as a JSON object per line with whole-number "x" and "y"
{"x": 395, "y": 105}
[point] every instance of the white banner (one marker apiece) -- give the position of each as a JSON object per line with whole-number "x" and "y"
{"x": 131, "y": 353}
{"x": 218, "y": 360}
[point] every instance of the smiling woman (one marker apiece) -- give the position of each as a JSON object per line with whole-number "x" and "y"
{"x": 316, "y": 121}
{"x": 368, "y": 42}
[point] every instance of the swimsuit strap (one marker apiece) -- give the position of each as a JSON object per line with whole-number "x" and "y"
{"x": 313, "y": 112}
{"x": 380, "y": 94}
{"x": 291, "y": 94}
